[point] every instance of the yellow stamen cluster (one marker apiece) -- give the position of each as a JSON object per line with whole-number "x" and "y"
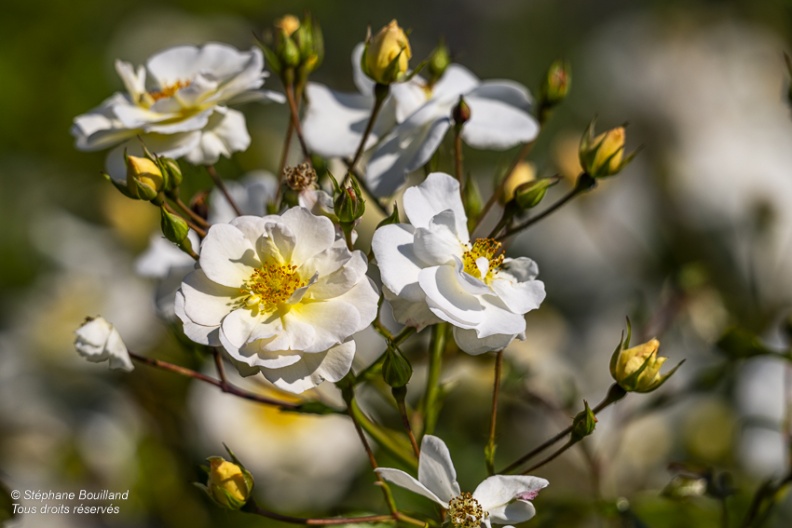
{"x": 169, "y": 90}
{"x": 465, "y": 512}
{"x": 488, "y": 248}
{"x": 270, "y": 286}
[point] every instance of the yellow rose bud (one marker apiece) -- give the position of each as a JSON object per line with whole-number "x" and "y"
{"x": 524, "y": 172}
{"x": 229, "y": 484}
{"x": 637, "y": 369}
{"x": 603, "y": 155}
{"x": 144, "y": 178}
{"x": 288, "y": 24}
{"x": 387, "y": 54}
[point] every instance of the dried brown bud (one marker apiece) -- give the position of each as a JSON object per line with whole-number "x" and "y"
{"x": 301, "y": 177}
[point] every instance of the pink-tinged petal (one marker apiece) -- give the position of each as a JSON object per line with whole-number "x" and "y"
{"x": 439, "y": 244}
{"x": 393, "y": 247}
{"x": 407, "y": 148}
{"x": 403, "y": 480}
{"x": 496, "y": 125}
{"x": 203, "y": 335}
{"x": 447, "y": 299}
{"x": 499, "y": 490}
{"x": 436, "y": 470}
{"x": 315, "y": 233}
{"x": 206, "y": 302}
{"x": 456, "y": 80}
{"x": 225, "y": 133}
{"x": 438, "y": 193}
{"x": 468, "y": 341}
{"x": 227, "y": 256}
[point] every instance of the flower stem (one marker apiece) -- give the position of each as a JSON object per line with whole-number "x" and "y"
{"x": 458, "y": 172}
{"x": 570, "y": 443}
{"x": 252, "y": 507}
{"x": 615, "y": 393}
{"x": 218, "y": 181}
{"x": 489, "y": 452}
{"x": 384, "y": 438}
{"x": 432, "y": 395}
{"x": 399, "y": 395}
{"x": 295, "y": 118}
{"x": 584, "y": 183}
{"x": 221, "y": 384}
{"x": 196, "y": 218}
{"x": 381, "y": 92}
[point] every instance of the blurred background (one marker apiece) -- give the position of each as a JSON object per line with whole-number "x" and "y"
{"x": 693, "y": 241}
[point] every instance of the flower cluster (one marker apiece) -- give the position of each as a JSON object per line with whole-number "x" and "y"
{"x": 274, "y": 275}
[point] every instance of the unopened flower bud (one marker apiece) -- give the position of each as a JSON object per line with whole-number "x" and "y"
{"x": 584, "y": 423}
{"x": 174, "y": 228}
{"x": 144, "y": 178}
{"x": 603, "y": 155}
{"x": 301, "y": 177}
{"x": 310, "y": 42}
{"x": 171, "y": 172}
{"x": 637, "y": 369}
{"x": 229, "y": 484}
{"x": 529, "y": 195}
{"x": 387, "y": 54}
{"x": 396, "y": 370}
{"x": 438, "y": 62}
{"x": 461, "y": 112}
{"x": 288, "y": 24}
{"x": 349, "y": 204}
{"x": 524, "y": 172}
{"x": 555, "y": 85}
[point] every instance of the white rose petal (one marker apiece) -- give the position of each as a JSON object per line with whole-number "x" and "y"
{"x": 97, "y": 341}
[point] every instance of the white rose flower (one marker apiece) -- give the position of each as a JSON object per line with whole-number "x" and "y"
{"x": 282, "y": 295}
{"x": 500, "y": 499}
{"x": 97, "y": 341}
{"x": 432, "y": 272}
{"x": 413, "y": 122}
{"x": 177, "y": 106}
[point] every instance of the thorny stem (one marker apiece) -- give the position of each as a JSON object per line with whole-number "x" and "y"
{"x": 490, "y": 450}
{"x": 221, "y": 384}
{"x": 432, "y": 394}
{"x": 252, "y": 507}
{"x": 615, "y": 393}
{"x": 585, "y": 183}
{"x": 218, "y": 181}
